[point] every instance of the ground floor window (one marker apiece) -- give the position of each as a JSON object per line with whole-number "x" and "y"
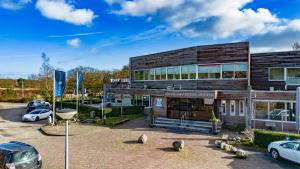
{"x": 223, "y": 107}
{"x": 232, "y": 107}
{"x": 274, "y": 110}
{"x": 141, "y": 100}
{"x": 241, "y": 108}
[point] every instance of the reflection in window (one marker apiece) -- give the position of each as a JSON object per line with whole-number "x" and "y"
{"x": 293, "y": 76}
{"x": 136, "y": 75}
{"x": 163, "y": 73}
{"x": 151, "y": 74}
{"x": 177, "y": 72}
{"x": 261, "y": 110}
{"x": 146, "y": 77}
{"x": 240, "y": 70}
{"x": 157, "y": 73}
{"x": 170, "y": 71}
{"x": 146, "y": 101}
{"x": 228, "y": 71}
{"x": 209, "y": 72}
{"x": 277, "y": 111}
{"x": 188, "y": 72}
{"x": 276, "y": 74}
{"x": 141, "y": 75}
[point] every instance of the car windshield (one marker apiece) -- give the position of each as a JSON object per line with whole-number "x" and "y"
{"x": 35, "y": 112}
{"x": 24, "y": 155}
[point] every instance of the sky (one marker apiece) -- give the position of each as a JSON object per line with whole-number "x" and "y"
{"x": 104, "y": 34}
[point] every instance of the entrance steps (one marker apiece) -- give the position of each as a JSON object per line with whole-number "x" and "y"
{"x": 198, "y": 126}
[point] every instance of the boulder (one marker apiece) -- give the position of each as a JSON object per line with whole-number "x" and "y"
{"x": 143, "y": 139}
{"x": 233, "y": 149}
{"x": 241, "y": 154}
{"x": 178, "y": 145}
{"x": 222, "y": 145}
{"x": 227, "y": 147}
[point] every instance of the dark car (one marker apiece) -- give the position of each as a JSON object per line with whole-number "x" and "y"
{"x": 37, "y": 104}
{"x": 18, "y": 155}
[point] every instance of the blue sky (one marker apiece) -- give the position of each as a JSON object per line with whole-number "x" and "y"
{"x": 104, "y": 34}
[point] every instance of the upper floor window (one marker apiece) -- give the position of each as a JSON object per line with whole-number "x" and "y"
{"x": 276, "y": 74}
{"x": 209, "y": 71}
{"x": 163, "y": 73}
{"x": 240, "y": 70}
{"x": 136, "y": 75}
{"x": 170, "y": 71}
{"x": 188, "y": 72}
{"x": 177, "y": 72}
{"x": 293, "y": 76}
{"x": 152, "y": 74}
{"x": 228, "y": 71}
{"x": 157, "y": 73}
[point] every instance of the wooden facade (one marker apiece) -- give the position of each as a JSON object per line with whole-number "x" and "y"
{"x": 210, "y": 54}
{"x": 260, "y": 64}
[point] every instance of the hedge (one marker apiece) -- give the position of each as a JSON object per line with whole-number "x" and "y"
{"x": 263, "y": 138}
{"x": 110, "y": 112}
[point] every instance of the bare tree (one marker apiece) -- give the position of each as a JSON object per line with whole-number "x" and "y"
{"x": 45, "y": 75}
{"x": 296, "y": 46}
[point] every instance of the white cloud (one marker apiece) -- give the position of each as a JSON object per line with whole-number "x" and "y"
{"x": 76, "y": 34}
{"x": 74, "y": 42}
{"x": 60, "y": 10}
{"x": 209, "y": 18}
{"x": 13, "y": 4}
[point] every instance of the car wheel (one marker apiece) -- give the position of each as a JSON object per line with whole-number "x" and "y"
{"x": 274, "y": 154}
{"x": 37, "y": 118}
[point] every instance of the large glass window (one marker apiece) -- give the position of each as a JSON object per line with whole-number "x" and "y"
{"x": 136, "y": 75}
{"x": 163, "y": 73}
{"x": 151, "y": 74}
{"x": 170, "y": 71}
{"x": 209, "y": 72}
{"x": 146, "y": 76}
{"x": 157, "y": 73}
{"x": 141, "y": 75}
{"x": 277, "y": 111}
{"x": 228, "y": 71}
{"x": 261, "y": 110}
{"x": 276, "y": 74}
{"x": 146, "y": 101}
{"x": 177, "y": 72}
{"x": 188, "y": 72}
{"x": 240, "y": 70}
{"x": 293, "y": 76}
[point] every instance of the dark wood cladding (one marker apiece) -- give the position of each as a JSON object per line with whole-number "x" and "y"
{"x": 261, "y": 62}
{"x": 276, "y": 95}
{"x": 220, "y": 53}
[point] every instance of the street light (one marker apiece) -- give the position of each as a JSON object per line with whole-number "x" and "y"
{"x": 66, "y": 114}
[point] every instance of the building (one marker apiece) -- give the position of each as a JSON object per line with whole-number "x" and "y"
{"x": 252, "y": 90}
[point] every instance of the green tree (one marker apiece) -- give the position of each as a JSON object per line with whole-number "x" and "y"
{"x": 296, "y": 46}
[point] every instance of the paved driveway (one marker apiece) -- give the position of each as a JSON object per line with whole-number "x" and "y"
{"x": 100, "y": 147}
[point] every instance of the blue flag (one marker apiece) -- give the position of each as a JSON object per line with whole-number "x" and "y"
{"x": 78, "y": 82}
{"x": 60, "y": 83}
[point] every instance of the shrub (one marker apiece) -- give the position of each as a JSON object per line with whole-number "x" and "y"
{"x": 247, "y": 142}
{"x": 263, "y": 138}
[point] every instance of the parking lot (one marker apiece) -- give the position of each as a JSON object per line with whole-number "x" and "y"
{"x": 101, "y": 147}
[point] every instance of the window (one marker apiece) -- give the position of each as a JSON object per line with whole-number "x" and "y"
{"x": 209, "y": 72}
{"x": 170, "y": 71}
{"x": 141, "y": 75}
{"x": 163, "y": 73}
{"x": 277, "y": 111}
{"x": 241, "y": 108}
{"x": 146, "y": 101}
{"x": 136, "y": 75}
{"x": 240, "y": 70}
{"x": 151, "y": 74}
{"x": 177, "y": 72}
{"x": 157, "y": 73}
{"x": 146, "y": 76}
{"x": 158, "y": 102}
{"x": 228, "y": 71}
{"x": 232, "y": 107}
{"x": 261, "y": 110}
{"x": 188, "y": 72}
{"x": 223, "y": 107}
{"x": 276, "y": 74}
{"x": 293, "y": 76}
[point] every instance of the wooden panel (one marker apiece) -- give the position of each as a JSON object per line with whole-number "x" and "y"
{"x": 260, "y": 63}
{"x": 221, "y": 53}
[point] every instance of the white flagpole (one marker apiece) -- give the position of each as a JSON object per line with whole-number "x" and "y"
{"x": 77, "y": 95}
{"x": 53, "y": 106}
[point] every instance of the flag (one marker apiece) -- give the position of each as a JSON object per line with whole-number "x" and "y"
{"x": 298, "y": 109}
{"x": 78, "y": 82}
{"x": 60, "y": 83}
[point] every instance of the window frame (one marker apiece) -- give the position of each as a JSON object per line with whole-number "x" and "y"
{"x": 240, "y": 113}
{"x": 224, "y": 112}
{"x": 284, "y": 74}
{"x": 232, "y": 113}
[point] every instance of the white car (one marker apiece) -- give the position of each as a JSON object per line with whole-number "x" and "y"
{"x": 289, "y": 150}
{"x": 37, "y": 115}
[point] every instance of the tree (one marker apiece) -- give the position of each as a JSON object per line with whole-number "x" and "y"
{"x": 45, "y": 76}
{"x": 296, "y": 46}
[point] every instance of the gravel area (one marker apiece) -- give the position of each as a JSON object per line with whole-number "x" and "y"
{"x": 116, "y": 148}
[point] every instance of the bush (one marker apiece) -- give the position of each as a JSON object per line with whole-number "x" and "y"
{"x": 263, "y": 138}
{"x": 116, "y": 111}
{"x": 247, "y": 142}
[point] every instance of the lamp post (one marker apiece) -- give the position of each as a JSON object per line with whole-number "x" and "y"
{"x": 66, "y": 114}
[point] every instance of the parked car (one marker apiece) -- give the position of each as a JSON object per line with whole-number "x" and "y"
{"x": 37, "y": 114}
{"x": 289, "y": 150}
{"x": 37, "y": 104}
{"x": 18, "y": 155}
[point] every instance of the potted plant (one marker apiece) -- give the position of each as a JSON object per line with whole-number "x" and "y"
{"x": 214, "y": 122}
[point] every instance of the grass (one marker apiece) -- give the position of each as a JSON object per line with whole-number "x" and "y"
{"x": 114, "y": 121}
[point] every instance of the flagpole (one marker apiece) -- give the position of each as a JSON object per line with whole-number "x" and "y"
{"x": 53, "y": 104}
{"x": 77, "y": 95}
